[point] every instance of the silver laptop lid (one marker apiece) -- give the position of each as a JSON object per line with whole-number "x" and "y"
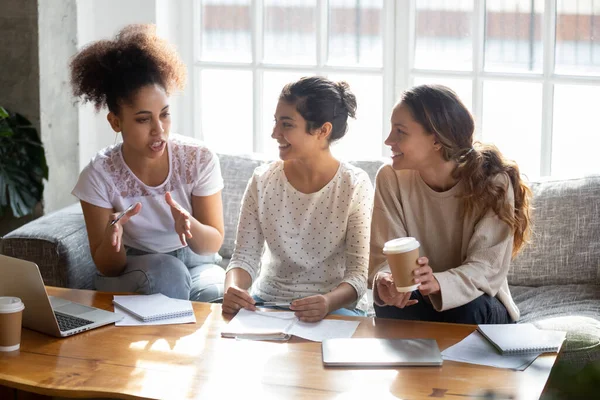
{"x": 376, "y": 352}
{"x": 22, "y": 279}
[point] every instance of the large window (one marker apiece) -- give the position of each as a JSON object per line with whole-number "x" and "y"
{"x": 528, "y": 69}
{"x": 246, "y": 51}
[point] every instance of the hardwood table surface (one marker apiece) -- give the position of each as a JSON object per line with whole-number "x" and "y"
{"x": 193, "y": 361}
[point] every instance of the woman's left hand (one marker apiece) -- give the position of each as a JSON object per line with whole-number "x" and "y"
{"x": 182, "y": 219}
{"x": 311, "y": 309}
{"x": 424, "y": 276}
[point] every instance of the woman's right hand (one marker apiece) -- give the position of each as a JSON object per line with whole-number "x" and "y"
{"x": 235, "y": 299}
{"x": 386, "y": 289}
{"x": 115, "y": 232}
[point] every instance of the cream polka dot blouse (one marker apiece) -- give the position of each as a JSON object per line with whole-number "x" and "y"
{"x": 295, "y": 245}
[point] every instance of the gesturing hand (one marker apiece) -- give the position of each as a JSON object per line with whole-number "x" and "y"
{"x": 311, "y": 309}
{"x": 182, "y": 219}
{"x": 386, "y": 289}
{"x": 424, "y": 276}
{"x": 115, "y": 231}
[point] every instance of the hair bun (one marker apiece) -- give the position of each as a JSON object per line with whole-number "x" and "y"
{"x": 347, "y": 97}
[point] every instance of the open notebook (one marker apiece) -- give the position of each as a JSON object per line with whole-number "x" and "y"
{"x": 260, "y": 325}
{"x": 522, "y": 338}
{"x": 154, "y": 307}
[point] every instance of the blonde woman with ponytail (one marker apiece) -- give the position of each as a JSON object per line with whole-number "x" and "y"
{"x": 462, "y": 200}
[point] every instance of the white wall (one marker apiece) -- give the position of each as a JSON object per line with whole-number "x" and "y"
{"x": 102, "y": 20}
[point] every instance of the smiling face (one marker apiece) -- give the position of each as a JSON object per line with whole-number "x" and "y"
{"x": 412, "y": 147}
{"x": 144, "y": 122}
{"x": 290, "y": 133}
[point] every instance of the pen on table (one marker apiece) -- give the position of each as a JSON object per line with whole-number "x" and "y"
{"x": 272, "y": 304}
{"x": 114, "y": 221}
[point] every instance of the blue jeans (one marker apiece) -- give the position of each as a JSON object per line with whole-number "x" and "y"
{"x": 340, "y": 311}
{"x": 180, "y": 274}
{"x": 483, "y": 310}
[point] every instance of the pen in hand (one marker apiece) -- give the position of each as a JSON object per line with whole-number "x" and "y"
{"x": 272, "y": 304}
{"x": 114, "y": 221}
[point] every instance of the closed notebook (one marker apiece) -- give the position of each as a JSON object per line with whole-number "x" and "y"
{"x": 154, "y": 306}
{"x": 522, "y": 338}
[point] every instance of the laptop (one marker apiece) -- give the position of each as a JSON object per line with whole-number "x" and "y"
{"x": 377, "y": 352}
{"x": 47, "y": 314}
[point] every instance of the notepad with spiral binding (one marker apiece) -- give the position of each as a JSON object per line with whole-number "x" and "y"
{"x": 522, "y": 338}
{"x": 154, "y": 307}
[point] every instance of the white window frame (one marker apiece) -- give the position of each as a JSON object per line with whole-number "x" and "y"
{"x": 258, "y": 67}
{"x": 548, "y": 78}
{"x": 397, "y": 71}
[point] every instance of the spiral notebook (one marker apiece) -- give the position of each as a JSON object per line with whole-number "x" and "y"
{"x": 522, "y": 338}
{"x": 154, "y": 307}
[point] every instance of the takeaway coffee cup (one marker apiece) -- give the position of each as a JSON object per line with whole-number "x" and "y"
{"x": 402, "y": 255}
{"x": 11, "y": 314}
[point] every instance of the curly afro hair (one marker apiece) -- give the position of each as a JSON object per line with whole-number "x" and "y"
{"x": 108, "y": 72}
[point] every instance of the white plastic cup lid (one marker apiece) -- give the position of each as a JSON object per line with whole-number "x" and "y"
{"x": 10, "y": 305}
{"x": 400, "y": 245}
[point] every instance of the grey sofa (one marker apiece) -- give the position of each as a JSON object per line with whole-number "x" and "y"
{"x": 555, "y": 281}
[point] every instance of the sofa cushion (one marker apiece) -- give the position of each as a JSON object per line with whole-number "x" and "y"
{"x": 571, "y": 308}
{"x": 236, "y": 171}
{"x": 565, "y": 246}
{"x": 370, "y": 167}
{"x": 58, "y": 243}
{"x": 537, "y": 303}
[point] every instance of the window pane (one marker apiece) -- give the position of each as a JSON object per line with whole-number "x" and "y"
{"x": 513, "y": 35}
{"x": 273, "y": 82}
{"x": 575, "y": 134}
{"x": 355, "y": 32}
{"x": 226, "y": 96}
{"x": 512, "y": 120}
{"x": 226, "y": 30}
{"x": 578, "y": 37}
{"x": 462, "y": 87}
{"x": 364, "y": 139}
{"x": 290, "y": 31}
{"x": 443, "y": 34}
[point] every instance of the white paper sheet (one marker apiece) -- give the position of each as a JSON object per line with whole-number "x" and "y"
{"x": 476, "y": 349}
{"x": 324, "y": 329}
{"x": 260, "y": 325}
{"x": 130, "y": 320}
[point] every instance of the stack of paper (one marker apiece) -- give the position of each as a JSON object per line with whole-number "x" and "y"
{"x": 260, "y": 325}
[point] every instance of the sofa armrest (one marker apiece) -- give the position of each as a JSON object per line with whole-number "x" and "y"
{"x": 58, "y": 244}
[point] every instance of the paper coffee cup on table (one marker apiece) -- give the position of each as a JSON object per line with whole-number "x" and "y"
{"x": 402, "y": 255}
{"x": 11, "y": 315}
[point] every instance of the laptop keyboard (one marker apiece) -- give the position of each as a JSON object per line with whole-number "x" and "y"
{"x": 68, "y": 322}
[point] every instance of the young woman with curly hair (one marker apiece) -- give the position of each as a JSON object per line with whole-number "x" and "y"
{"x": 465, "y": 204}
{"x": 168, "y": 242}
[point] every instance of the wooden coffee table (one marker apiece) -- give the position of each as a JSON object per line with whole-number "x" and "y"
{"x": 193, "y": 361}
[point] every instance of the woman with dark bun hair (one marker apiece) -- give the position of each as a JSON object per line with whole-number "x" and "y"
{"x": 167, "y": 241}
{"x": 464, "y": 203}
{"x": 312, "y": 211}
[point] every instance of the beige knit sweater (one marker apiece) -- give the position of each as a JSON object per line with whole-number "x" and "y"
{"x": 469, "y": 256}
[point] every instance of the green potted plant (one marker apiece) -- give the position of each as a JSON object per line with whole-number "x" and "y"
{"x": 23, "y": 165}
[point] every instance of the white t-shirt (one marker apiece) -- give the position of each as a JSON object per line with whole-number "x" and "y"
{"x": 108, "y": 182}
{"x": 312, "y": 242}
